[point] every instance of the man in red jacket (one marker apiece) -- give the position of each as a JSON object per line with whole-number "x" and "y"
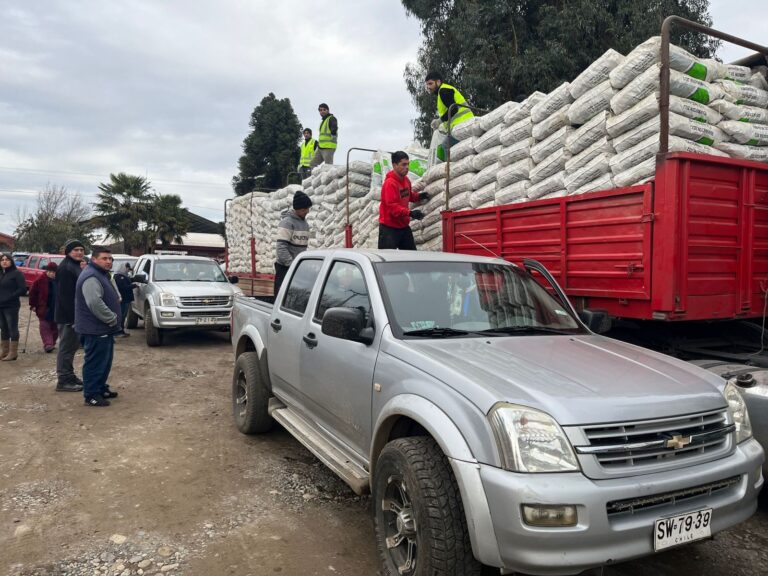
{"x": 394, "y": 212}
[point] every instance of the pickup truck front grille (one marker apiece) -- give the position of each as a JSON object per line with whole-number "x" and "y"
{"x": 204, "y": 314}
{"x": 204, "y": 301}
{"x": 650, "y": 442}
{"x": 633, "y": 505}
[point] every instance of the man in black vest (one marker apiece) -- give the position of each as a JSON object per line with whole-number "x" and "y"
{"x": 64, "y": 316}
{"x": 97, "y": 319}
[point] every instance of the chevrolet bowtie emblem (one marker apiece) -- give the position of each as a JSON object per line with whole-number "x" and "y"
{"x": 206, "y": 301}
{"x": 678, "y": 441}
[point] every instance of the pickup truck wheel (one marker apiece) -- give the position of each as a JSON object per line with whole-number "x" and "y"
{"x": 250, "y": 396}
{"x": 419, "y": 519}
{"x": 154, "y": 335}
{"x": 131, "y": 319}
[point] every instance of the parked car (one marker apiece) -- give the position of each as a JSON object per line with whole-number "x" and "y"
{"x": 19, "y": 258}
{"x": 176, "y": 292}
{"x": 34, "y": 266}
{"x": 121, "y": 259}
{"x": 487, "y": 418}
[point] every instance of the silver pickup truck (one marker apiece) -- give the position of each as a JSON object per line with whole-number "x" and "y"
{"x": 175, "y": 291}
{"x": 490, "y": 423}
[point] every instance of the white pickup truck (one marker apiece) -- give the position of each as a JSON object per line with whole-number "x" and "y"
{"x": 490, "y": 422}
{"x": 174, "y": 292}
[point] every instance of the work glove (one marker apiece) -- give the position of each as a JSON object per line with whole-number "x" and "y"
{"x": 423, "y": 196}
{"x": 436, "y": 123}
{"x": 417, "y": 214}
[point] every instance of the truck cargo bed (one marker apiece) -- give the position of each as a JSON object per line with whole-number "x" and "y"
{"x": 690, "y": 245}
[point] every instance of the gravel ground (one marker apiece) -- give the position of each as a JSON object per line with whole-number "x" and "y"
{"x": 162, "y": 483}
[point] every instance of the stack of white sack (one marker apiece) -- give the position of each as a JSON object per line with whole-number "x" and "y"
{"x": 744, "y": 112}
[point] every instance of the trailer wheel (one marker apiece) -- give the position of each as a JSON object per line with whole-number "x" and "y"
{"x": 250, "y": 396}
{"x": 154, "y": 335}
{"x": 421, "y": 529}
{"x": 131, "y": 319}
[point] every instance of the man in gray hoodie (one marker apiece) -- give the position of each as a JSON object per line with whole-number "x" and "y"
{"x": 292, "y": 236}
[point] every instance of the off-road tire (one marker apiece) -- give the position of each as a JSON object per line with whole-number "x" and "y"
{"x": 442, "y": 541}
{"x": 131, "y": 319}
{"x": 250, "y": 396}
{"x": 154, "y": 335}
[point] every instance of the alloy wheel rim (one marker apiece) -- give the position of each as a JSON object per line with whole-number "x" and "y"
{"x": 399, "y": 526}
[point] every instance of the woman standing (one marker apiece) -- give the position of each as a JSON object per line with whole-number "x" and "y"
{"x": 42, "y": 299}
{"x": 12, "y": 286}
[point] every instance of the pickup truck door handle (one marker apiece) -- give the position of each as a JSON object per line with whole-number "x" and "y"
{"x": 276, "y": 326}
{"x": 310, "y": 340}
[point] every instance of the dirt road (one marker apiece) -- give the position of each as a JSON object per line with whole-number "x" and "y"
{"x": 161, "y": 482}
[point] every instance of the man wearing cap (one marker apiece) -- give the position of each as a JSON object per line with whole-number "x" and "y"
{"x": 64, "y": 315}
{"x": 394, "y": 210}
{"x": 97, "y": 319}
{"x": 292, "y": 236}
{"x": 308, "y": 152}
{"x": 42, "y": 299}
{"x": 328, "y": 137}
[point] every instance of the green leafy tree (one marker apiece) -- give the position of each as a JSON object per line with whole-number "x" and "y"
{"x": 59, "y": 216}
{"x": 167, "y": 221}
{"x": 498, "y": 51}
{"x": 271, "y": 150}
{"x": 124, "y": 207}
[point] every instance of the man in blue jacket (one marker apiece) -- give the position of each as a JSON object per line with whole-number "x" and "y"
{"x": 97, "y": 319}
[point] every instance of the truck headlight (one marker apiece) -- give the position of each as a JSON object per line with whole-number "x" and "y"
{"x": 530, "y": 440}
{"x": 738, "y": 410}
{"x": 167, "y": 299}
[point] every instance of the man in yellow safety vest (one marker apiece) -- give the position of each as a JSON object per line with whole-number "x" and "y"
{"x": 447, "y": 95}
{"x": 328, "y": 137}
{"x": 308, "y": 148}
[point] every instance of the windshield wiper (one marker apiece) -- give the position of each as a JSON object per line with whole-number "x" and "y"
{"x": 524, "y": 330}
{"x": 436, "y": 332}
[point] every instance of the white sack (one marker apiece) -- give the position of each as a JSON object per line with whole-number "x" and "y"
{"x": 597, "y": 167}
{"x": 591, "y": 103}
{"x": 516, "y": 172}
{"x": 515, "y": 152}
{"x": 551, "y": 124}
{"x": 758, "y": 81}
{"x": 756, "y": 153}
{"x": 496, "y": 116}
{"x": 483, "y": 195}
{"x": 604, "y": 182}
{"x": 737, "y": 73}
{"x": 460, "y": 200}
{"x": 744, "y": 93}
{"x": 486, "y": 158}
{"x": 555, "y": 194}
{"x": 489, "y": 139}
{"x": 742, "y": 113}
{"x": 547, "y": 186}
{"x": 548, "y": 146}
{"x": 678, "y": 126}
{"x": 485, "y": 176}
{"x": 587, "y": 134}
{"x": 746, "y": 133}
{"x": 551, "y": 103}
{"x": 602, "y": 146}
{"x": 463, "y": 183}
{"x": 512, "y": 193}
{"x": 596, "y": 73}
{"x": 361, "y": 167}
{"x": 463, "y": 166}
{"x": 464, "y": 148}
{"x": 637, "y": 174}
{"x": 516, "y": 132}
{"x": 649, "y": 147}
{"x": 552, "y": 164}
{"x": 465, "y": 129}
{"x": 514, "y": 115}
{"x": 433, "y": 188}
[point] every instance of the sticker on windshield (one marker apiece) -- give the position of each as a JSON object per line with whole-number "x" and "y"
{"x": 561, "y": 312}
{"x": 422, "y": 324}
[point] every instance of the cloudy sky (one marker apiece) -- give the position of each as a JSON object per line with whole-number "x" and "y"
{"x": 166, "y": 89}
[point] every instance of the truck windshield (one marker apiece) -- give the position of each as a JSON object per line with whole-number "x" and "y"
{"x": 464, "y": 299}
{"x": 188, "y": 271}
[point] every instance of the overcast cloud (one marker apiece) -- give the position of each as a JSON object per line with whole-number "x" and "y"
{"x": 166, "y": 89}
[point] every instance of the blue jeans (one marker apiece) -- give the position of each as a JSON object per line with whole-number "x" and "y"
{"x": 99, "y": 351}
{"x": 124, "y": 306}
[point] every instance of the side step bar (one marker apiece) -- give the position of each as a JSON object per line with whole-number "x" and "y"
{"x": 330, "y": 455}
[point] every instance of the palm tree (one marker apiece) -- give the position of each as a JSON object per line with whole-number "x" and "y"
{"x": 168, "y": 221}
{"x": 123, "y": 208}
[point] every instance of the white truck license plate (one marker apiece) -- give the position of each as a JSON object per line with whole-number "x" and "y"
{"x": 682, "y": 529}
{"x": 205, "y": 320}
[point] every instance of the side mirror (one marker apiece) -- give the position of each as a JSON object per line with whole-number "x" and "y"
{"x": 234, "y": 279}
{"x": 140, "y": 278}
{"x": 347, "y": 324}
{"x": 598, "y": 321}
